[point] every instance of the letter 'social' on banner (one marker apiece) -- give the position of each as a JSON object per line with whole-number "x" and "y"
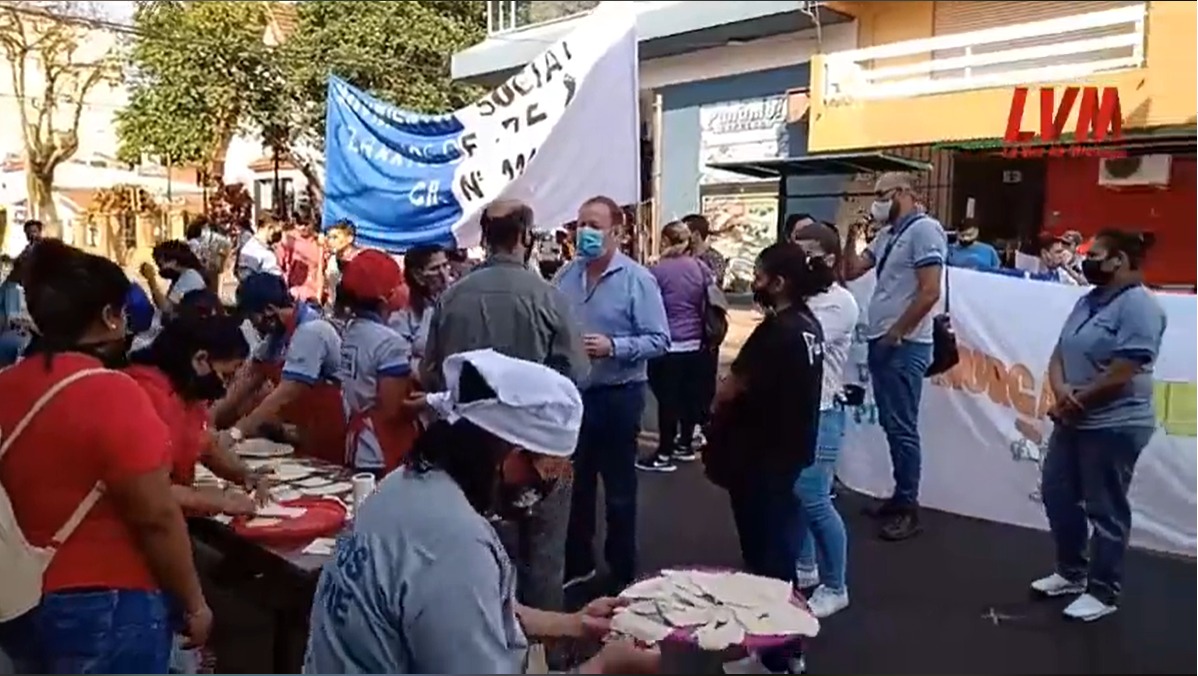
{"x": 563, "y": 129}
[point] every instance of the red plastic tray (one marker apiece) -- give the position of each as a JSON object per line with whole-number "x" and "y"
{"x": 323, "y": 518}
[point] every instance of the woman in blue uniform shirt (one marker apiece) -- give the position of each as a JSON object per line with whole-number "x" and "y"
{"x": 1101, "y": 377}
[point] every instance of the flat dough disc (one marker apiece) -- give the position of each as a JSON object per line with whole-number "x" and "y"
{"x": 641, "y": 628}
{"x": 720, "y": 636}
{"x": 263, "y": 448}
{"x": 329, "y": 489}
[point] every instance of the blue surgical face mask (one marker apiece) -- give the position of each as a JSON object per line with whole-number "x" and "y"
{"x": 589, "y": 242}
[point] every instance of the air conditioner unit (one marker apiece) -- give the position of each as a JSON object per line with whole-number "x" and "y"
{"x": 1135, "y": 171}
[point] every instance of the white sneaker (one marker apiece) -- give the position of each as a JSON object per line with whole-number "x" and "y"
{"x": 1086, "y": 608}
{"x": 806, "y": 579}
{"x": 1058, "y": 585}
{"x": 825, "y": 602}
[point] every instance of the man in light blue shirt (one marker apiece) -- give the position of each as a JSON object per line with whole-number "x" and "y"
{"x": 968, "y": 252}
{"x": 623, "y": 327}
{"x": 908, "y": 256}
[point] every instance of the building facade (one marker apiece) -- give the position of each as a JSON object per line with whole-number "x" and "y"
{"x": 943, "y": 75}
{"x": 720, "y": 81}
{"x": 933, "y": 81}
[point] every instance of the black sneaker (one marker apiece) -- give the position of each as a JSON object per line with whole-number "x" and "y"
{"x": 656, "y": 463}
{"x": 901, "y": 526}
{"x": 684, "y": 454}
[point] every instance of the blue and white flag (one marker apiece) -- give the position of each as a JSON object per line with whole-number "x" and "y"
{"x": 562, "y": 130}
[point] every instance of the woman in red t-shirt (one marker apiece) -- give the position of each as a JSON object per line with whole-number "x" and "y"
{"x": 114, "y": 580}
{"x": 182, "y": 371}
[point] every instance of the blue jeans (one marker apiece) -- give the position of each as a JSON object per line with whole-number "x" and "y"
{"x": 12, "y": 344}
{"x": 92, "y": 632}
{"x": 1084, "y": 483}
{"x": 607, "y": 448}
{"x": 897, "y": 373}
{"x": 821, "y": 533}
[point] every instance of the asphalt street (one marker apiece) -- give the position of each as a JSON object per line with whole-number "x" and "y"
{"x": 951, "y": 601}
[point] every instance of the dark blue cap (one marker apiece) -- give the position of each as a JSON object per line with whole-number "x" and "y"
{"x": 139, "y": 310}
{"x": 260, "y": 291}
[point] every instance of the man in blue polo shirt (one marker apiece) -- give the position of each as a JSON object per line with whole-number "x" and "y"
{"x": 908, "y": 256}
{"x": 968, "y": 252}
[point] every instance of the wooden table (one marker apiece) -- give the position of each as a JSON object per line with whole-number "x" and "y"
{"x": 281, "y": 578}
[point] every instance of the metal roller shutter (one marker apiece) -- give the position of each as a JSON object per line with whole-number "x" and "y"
{"x": 957, "y": 16}
{"x": 962, "y": 16}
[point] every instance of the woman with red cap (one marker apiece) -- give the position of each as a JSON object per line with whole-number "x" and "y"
{"x": 375, "y": 367}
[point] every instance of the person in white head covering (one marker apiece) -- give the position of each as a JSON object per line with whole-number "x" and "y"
{"x": 421, "y": 583}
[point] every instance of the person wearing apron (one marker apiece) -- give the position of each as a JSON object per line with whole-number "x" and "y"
{"x": 375, "y": 370}
{"x": 298, "y": 356}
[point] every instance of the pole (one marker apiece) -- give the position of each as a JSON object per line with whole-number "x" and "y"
{"x": 275, "y": 200}
{"x": 658, "y": 219}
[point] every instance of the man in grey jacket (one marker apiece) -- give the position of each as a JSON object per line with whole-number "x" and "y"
{"x": 503, "y": 305}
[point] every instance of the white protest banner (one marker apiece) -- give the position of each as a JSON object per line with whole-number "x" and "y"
{"x": 983, "y": 424}
{"x": 563, "y": 129}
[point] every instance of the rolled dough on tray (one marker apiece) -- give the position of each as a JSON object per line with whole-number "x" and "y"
{"x": 717, "y": 609}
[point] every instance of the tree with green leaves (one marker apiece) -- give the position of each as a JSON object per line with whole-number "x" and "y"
{"x": 398, "y": 51}
{"x": 197, "y": 71}
{"x": 57, "y": 57}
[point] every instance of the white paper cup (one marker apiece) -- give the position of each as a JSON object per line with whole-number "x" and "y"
{"x": 363, "y": 486}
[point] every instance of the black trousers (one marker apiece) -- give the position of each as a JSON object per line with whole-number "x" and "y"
{"x": 711, "y": 374}
{"x": 677, "y": 380}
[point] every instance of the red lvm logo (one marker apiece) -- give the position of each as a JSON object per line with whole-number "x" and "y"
{"x": 1099, "y": 120}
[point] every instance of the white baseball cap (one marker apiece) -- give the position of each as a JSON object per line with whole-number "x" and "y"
{"x": 534, "y": 408}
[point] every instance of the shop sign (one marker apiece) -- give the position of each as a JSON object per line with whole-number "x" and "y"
{"x": 1099, "y": 121}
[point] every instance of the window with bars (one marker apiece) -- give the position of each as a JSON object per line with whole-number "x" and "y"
{"x": 506, "y": 15}
{"x": 91, "y": 233}
{"x": 128, "y": 222}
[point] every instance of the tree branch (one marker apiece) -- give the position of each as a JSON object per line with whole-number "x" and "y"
{"x": 67, "y": 143}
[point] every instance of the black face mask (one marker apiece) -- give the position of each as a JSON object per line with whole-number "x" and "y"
{"x": 269, "y": 326}
{"x": 113, "y": 354}
{"x": 763, "y": 298}
{"x": 169, "y": 273}
{"x": 207, "y": 387}
{"x": 1094, "y": 273}
{"x": 966, "y": 241}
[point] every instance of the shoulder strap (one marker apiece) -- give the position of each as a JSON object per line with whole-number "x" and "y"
{"x": 41, "y": 403}
{"x": 93, "y": 496}
{"x": 894, "y": 238}
{"x": 947, "y": 287}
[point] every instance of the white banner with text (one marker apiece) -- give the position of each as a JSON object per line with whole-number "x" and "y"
{"x": 984, "y": 426}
